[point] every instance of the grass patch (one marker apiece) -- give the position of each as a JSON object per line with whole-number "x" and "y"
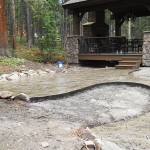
{"x": 11, "y": 61}
{"x": 37, "y": 55}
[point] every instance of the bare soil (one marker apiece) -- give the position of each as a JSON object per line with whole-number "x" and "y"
{"x": 26, "y": 66}
{"x": 24, "y": 126}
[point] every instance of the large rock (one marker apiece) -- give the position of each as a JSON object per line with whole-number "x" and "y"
{"x": 26, "y": 73}
{"x": 13, "y": 76}
{"x": 32, "y": 73}
{"x": 88, "y": 145}
{"x": 3, "y": 77}
{"x": 87, "y": 135}
{"x": 98, "y": 144}
{"x": 23, "y": 74}
{"x": 6, "y": 94}
{"x": 23, "y": 97}
{"x": 41, "y": 72}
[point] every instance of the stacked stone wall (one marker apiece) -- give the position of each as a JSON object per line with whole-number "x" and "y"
{"x": 73, "y": 49}
{"x": 146, "y": 49}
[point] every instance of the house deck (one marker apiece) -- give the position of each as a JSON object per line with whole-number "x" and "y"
{"x": 107, "y": 57}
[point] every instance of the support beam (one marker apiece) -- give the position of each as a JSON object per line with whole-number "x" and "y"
{"x": 118, "y": 24}
{"x": 117, "y": 27}
{"x": 76, "y": 23}
{"x": 81, "y": 16}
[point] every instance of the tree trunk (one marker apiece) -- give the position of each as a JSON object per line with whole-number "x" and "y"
{"x": 21, "y": 21}
{"x": 28, "y": 28}
{"x": 13, "y": 27}
{"x": 3, "y": 30}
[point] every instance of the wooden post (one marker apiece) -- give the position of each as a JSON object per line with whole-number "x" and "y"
{"x": 76, "y": 24}
{"x": 118, "y": 24}
{"x": 117, "y": 27}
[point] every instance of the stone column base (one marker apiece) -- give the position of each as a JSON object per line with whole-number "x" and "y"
{"x": 146, "y": 49}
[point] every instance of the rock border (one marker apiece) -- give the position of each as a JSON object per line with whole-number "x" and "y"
{"x": 24, "y": 97}
{"x": 72, "y": 93}
{"x": 9, "y": 96}
{"x": 17, "y": 75}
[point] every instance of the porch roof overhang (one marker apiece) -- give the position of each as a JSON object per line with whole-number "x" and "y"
{"x": 118, "y": 7}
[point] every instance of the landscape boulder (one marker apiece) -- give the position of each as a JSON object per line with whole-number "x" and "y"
{"x": 6, "y": 94}
{"x": 23, "y": 97}
{"x": 87, "y": 135}
{"x": 41, "y": 72}
{"x": 13, "y": 76}
{"x": 32, "y": 72}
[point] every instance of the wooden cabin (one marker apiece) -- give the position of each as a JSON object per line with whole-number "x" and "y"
{"x": 95, "y": 43}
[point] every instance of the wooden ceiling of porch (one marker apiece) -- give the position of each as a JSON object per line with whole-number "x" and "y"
{"x": 118, "y": 7}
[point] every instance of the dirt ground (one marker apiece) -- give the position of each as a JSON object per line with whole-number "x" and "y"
{"x": 26, "y": 66}
{"x": 24, "y": 126}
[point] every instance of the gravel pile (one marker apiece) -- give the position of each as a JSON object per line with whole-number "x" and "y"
{"x": 100, "y": 105}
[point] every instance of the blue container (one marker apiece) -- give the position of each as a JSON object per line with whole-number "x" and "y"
{"x": 59, "y": 64}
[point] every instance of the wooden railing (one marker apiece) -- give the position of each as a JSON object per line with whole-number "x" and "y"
{"x": 117, "y": 45}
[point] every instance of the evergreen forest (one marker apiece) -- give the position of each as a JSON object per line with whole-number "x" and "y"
{"x": 37, "y": 29}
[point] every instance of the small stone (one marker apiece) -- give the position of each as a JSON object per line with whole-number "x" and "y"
{"x": 44, "y": 144}
{"x": 23, "y": 66}
{"x": 6, "y": 94}
{"x": 23, "y": 97}
{"x": 52, "y": 72}
{"x": 47, "y": 70}
{"x": 19, "y": 140}
{"x": 64, "y": 71}
{"x": 93, "y": 101}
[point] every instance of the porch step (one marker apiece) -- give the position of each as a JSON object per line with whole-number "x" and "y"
{"x": 129, "y": 62}
{"x": 126, "y": 66}
{"x": 131, "y": 58}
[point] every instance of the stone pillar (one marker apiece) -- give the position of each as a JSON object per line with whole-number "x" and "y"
{"x": 72, "y": 49}
{"x": 146, "y": 49}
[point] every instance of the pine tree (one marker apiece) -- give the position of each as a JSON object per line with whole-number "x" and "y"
{"x": 3, "y": 30}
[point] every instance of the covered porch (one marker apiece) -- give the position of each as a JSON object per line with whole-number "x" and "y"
{"x": 95, "y": 43}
